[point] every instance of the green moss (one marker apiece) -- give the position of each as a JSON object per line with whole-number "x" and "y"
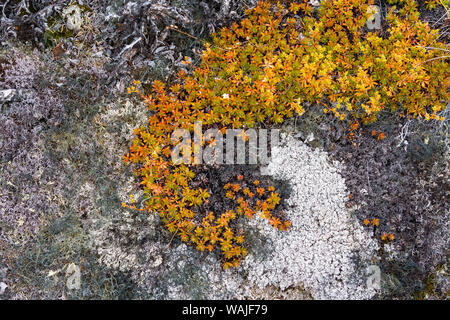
{"x": 431, "y": 286}
{"x": 57, "y": 29}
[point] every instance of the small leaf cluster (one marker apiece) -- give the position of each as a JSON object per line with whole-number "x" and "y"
{"x": 375, "y": 223}
{"x": 430, "y": 4}
{"x": 256, "y": 198}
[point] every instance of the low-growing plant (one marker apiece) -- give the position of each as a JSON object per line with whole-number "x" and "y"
{"x": 267, "y": 68}
{"x": 430, "y": 4}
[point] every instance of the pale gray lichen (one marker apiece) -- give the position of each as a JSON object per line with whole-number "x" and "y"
{"x": 326, "y": 251}
{"x": 324, "y": 242}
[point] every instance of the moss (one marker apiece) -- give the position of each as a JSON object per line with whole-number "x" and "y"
{"x": 57, "y": 29}
{"x": 431, "y": 286}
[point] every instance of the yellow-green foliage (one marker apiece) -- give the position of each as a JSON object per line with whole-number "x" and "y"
{"x": 263, "y": 69}
{"x": 430, "y": 4}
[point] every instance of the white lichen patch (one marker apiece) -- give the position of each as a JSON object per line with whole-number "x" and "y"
{"x": 324, "y": 255}
{"x": 325, "y": 250}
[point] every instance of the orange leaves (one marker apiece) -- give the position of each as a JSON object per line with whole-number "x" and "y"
{"x": 262, "y": 205}
{"x": 260, "y": 191}
{"x": 263, "y": 70}
{"x": 158, "y": 87}
{"x": 134, "y": 88}
{"x": 230, "y": 194}
{"x": 294, "y": 7}
{"x": 235, "y": 187}
{"x": 379, "y": 135}
{"x": 387, "y": 237}
{"x": 297, "y": 107}
{"x": 156, "y": 189}
{"x": 354, "y": 125}
{"x": 375, "y": 222}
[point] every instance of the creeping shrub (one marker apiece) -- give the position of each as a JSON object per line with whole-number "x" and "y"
{"x": 267, "y": 68}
